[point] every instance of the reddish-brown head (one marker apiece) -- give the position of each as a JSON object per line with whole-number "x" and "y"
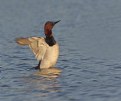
{"x": 48, "y": 27}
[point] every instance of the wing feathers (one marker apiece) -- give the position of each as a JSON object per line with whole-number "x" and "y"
{"x": 38, "y": 47}
{"x": 36, "y": 44}
{"x": 22, "y": 41}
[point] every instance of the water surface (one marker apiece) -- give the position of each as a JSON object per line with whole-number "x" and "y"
{"x": 89, "y": 35}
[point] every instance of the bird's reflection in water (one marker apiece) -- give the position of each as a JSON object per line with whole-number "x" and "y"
{"x": 43, "y": 83}
{"x": 49, "y": 73}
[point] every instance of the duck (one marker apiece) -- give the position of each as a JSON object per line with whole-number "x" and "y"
{"x": 45, "y": 49}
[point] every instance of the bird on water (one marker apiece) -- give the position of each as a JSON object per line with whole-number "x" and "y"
{"x": 46, "y": 50}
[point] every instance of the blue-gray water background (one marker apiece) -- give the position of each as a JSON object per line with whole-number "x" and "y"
{"x": 89, "y": 35}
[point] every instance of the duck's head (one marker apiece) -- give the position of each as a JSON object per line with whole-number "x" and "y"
{"x": 49, "y": 26}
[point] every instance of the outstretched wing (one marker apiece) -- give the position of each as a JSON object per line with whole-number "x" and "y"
{"x": 23, "y": 41}
{"x": 36, "y": 44}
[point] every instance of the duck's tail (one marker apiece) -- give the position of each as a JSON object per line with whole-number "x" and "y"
{"x": 23, "y": 41}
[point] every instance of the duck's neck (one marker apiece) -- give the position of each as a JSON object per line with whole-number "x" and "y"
{"x": 50, "y": 40}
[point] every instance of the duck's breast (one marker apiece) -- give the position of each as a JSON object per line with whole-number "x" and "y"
{"x": 50, "y": 57}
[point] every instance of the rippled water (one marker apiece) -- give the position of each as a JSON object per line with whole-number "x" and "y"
{"x": 89, "y": 35}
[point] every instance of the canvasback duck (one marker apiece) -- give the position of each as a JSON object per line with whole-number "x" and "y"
{"x": 46, "y": 50}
